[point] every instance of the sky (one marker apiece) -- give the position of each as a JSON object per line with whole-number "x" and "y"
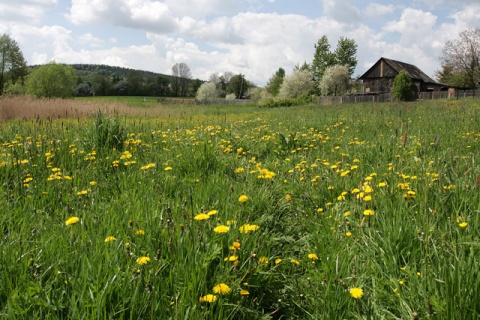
{"x": 251, "y": 37}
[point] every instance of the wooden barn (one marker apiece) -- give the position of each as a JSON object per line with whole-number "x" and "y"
{"x": 379, "y": 78}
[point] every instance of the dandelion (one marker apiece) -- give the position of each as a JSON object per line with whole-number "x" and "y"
{"x": 221, "y": 229}
{"x": 239, "y": 170}
{"x": 244, "y": 293}
{"x": 288, "y": 198}
{"x": 230, "y": 222}
{"x": 463, "y": 225}
{"x": 72, "y": 220}
{"x": 168, "y": 168}
{"x": 109, "y": 239}
{"x": 201, "y": 216}
{"x": 93, "y": 183}
{"x": 313, "y": 256}
{"x": 278, "y": 260}
{"x": 143, "y": 260}
{"x": 140, "y": 232}
{"x": 212, "y": 212}
{"x": 231, "y": 258}
{"x": 148, "y": 166}
{"x": 368, "y": 212}
{"x": 222, "y": 288}
{"x": 243, "y": 198}
{"x": 263, "y": 260}
{"x": 210, "y": 298}
{"x": 246, "y": 228}
{"x": 346, "y": 214}
{"x": 356, "y": 293}
{"x": 296, "y": 262}
{"x": 348, "y": 234}
{"x": 235, "y": 246}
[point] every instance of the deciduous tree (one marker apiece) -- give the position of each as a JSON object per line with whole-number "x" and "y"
{"x": 346, "y": 54}
{"x": 335, "y": 80}
{"x": 52, "y": 80}
{"x": 13, "y": 66}
{"x": 181, "y": 76}
{"x": 461, "y": 59}
{"x": 298, "y": 84}
{"x": 273, "y": 85}
{"x": 207, "y": 91}
{"x": 402, "y": 87}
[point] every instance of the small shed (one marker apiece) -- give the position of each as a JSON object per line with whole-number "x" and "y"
{"x": 379, "y": 78}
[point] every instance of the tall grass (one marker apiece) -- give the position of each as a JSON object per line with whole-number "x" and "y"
{"x": 291, "y": 249}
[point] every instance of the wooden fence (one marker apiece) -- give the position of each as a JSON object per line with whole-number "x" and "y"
{"x": 207, "y": 102}
{"x": 385, "y": 97}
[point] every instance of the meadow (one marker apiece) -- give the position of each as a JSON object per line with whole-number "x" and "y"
{"x": 367, "y": 211}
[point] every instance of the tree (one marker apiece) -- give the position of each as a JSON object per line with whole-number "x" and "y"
{"x": 322, "y": 58}
{"x": 121, "y": 88}
{"x": 345, "y": 54}
{"x": 162, "y": 86}
{"x": 299, "y": 83}
{"x": 135, "y": 83}
{"x": 180, "y": 80}
{"x": 273, "y": 85}
{"x": 207, "y": 91}
{"x": 335, "y": 80}
{"x": 238, "y": 85}
{"x": 402, "y": 87}
{"x": 13, "y": 66}
{"x": 102, "y": 85}
{"x": 52, "y": 80}
{"x": 462, "y": 57}
{"x": 84, "y": 90}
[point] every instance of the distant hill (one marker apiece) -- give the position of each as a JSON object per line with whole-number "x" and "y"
{"x": 89, "y": 71}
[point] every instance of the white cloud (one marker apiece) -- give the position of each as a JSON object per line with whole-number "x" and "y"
{"x": 343, "y": 11}
{"x": 91, "y": 40}
{"x": 377, "y": 11}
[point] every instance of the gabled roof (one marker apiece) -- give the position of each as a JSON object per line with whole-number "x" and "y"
{"x": 412, "y": 71}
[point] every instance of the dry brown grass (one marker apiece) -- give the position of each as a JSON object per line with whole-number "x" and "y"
{"x": 24, "y": 107}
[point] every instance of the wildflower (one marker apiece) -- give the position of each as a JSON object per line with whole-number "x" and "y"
{"x": 239, "y": 170}
{"x": 356, "y": 293}
{"x": 313, "y": 256}
{"x": 288, "y": 197}
{"x": 244, "y": 293}
{"x": 382, "y": 184}
{"x": 263, "y": 260}
{"x": 210, "y": 298}
{"x": 221, "y": 288}
{"x": 231, "y": 258}
{"x": 212, "y": 212}
{"x": 140, "y": 232}
{"x": 346, "y": 214}
{"x": 463, "y": 224}
{"x": 243, "y": 198}
{"x": 93, "y": 183}
{"x": 168, "y": 168}
{"x": 201, "y": 216}
{"x": 72, "y": 220}
{"x": 294, "y": 261}
{"x": 319, "y": 210}
{"x": 246, "y": 228}
{"x": 83, "y": 192}
{"x": 221, "y": 229}
{"x": 148, "y": 166}
{"x": 109, "y": 239}
{"x": 143, "y": 260}
{"x": 235, "y": 246}
{"x": 367, "y": 198}
{"x": 229, "y": 222}
{"x": 368, "y": 212}
{"x": 278, "y": 260}
{"x": 348, "y": 234}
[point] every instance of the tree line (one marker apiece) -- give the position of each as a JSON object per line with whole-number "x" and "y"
{"x": 329, "y": 73}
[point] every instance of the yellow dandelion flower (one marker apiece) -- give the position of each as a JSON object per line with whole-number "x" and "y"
{"x": 239, "y": 170}
{"x": 313, "y": 256}
{"x": 221, "y": 229}
{"x": 72, "y": 220}
{"x": 201, "y": 216}
{"x": 232, "y": 258}
{"x": 143, "y": 260}
{"x": 288, "y": 197}
{"x": 263, "y": 260}
{"x": 93, "y": 183}
{"x": 81, "y": 193}
{"x": 210, "y": 298}
{"x": 230, "y": 222}
{"x": 212, "y": 212}
{"x": 348, "y": 234}
{"x": 368, "y": 212}
{"x": 109, "y": 239}
{"x": 235, "y": 246}
{"x": 294, "y": 261}
{"x": 246, "y": 228}
{"x": 243, "y": 198}
{"x": 168, "y": 168}
{"x": 222, "y": 288}
{"x": 278, "y": 260}
{"x": 346, "y": 214}
{"x": 244, "y": 293}
{"x": 356, "y": 293}
{"x": 463, "y": 224}
{"x": 140, "y": 232}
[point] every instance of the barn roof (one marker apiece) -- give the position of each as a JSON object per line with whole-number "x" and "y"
{"x": 412, "y": 71}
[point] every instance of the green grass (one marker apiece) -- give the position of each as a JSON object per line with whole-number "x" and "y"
{"x": 308, "y": 172}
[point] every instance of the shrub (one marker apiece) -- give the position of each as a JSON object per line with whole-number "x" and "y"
{"x": 402, "y": 87}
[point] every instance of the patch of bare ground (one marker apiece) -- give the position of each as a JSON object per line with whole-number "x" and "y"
{"x": 25, "y": 107}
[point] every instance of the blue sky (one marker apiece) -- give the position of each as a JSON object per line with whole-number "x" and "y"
{"x": 252, "y": 37}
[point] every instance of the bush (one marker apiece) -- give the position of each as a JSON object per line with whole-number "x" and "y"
{"x": 402, "y": 87}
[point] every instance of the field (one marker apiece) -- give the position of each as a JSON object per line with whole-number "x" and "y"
{"x": 367, "y": 211}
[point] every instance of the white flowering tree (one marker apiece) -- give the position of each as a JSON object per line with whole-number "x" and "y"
{"x": 207, "y": 91}
{"x": 335, "y": 80}
{"x": 299, "y": 83}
